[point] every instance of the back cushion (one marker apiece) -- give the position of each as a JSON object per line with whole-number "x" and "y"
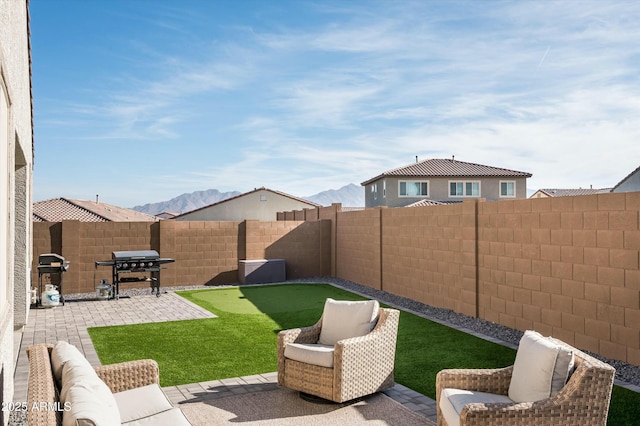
{"x": 540, "y": 370}
{"x": 343, "y": 319}
{"x": 61, "y": 353}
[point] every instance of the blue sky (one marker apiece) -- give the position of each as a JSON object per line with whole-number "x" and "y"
{"x": 140, "y": 101}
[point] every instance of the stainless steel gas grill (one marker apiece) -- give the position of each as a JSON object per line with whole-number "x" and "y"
{"x": 142, "y": 261}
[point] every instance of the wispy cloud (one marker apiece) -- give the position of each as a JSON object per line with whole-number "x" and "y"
{"x": 552, "y": 88}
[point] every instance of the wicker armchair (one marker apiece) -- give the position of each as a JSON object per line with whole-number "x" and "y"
{"x": 361, "y": 365}
{"x": 584, "y": 399}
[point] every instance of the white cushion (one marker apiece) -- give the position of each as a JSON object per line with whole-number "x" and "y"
{"x": 141, "y": 402}
{"x": 90, "y": 403}
{"x": 60, "y": 354}
{"x": 533, "y": 369}
{"x": 343, "y": 319}
{"x": 76, "y": 371}
{"x": 452, "y": 401}
{"x": 173, "y": 417}
{"x": 321, "y": 355}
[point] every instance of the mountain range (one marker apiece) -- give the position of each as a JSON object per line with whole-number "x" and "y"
{"x": 350, "y": 195}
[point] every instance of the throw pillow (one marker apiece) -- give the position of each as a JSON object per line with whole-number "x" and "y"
{"x": 533, "y": 369}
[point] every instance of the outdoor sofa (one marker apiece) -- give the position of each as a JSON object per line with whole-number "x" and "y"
{"x": 64, "y": 389}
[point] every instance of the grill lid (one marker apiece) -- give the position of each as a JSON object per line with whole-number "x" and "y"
{"x": 121, "y": 256}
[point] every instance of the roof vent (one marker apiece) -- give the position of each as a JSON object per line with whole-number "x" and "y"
{"x": 416, "y": 158}
{"x": 453, "y": 158}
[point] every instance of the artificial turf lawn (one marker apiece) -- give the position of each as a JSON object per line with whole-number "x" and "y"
{"x": 242, "y": 341}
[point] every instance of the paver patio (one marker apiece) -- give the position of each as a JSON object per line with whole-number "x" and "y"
{"x": 70, "y": 323}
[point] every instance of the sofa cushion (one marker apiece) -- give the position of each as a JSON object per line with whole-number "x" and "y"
{"x": 90, "y": 403}
{"x": 534, "y": 371}
{"x": 452, "y": 401}
{"x": 137, "y": 403}
{"x": 343, "y": 319}
{"x": 60, "y": 354}
{"x": 321, "y": 355}
{"x": 173, "y": 417}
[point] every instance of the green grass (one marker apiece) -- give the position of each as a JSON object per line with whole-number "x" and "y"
{"x": 242, "y": 341}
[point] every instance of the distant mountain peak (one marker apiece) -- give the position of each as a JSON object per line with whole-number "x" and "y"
{"x": 350, "y": 195}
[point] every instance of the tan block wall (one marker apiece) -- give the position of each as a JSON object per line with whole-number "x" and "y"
{"x": 358, "y": 247}
{"x": 429, "y": 255}
{"x": 567, "y": 267}
{"x": 205, "y": 252}
{"x": 304, "y": 245}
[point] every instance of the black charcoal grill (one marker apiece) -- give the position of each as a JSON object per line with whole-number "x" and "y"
{"x": 50, "y": 264}
{"x": 143, "y": 261}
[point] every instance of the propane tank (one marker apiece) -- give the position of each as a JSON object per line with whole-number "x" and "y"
{"x": 50, "y": 296}
{"x": 103, "y": 290}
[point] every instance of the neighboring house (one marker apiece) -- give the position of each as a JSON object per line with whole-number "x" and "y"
{"x": 167, "y": 215}
{"x": 443, "y": 180}
{"x": 59, "y": 209}
{"x": 259, "y": 204}
{"x": 16, "y": 181}
{"x": 630, "y": 183}
{"x": 546, "y": 193}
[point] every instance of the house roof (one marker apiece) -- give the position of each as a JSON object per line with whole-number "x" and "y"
{"x": 625, "y": 179}
{"x": 226, "y": 200}
{"x": 59, "y": 209}
{"x": 448, "y": 167}
{"x": 572, "y": 192}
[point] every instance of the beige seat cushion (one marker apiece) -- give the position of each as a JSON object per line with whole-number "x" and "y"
{"x": 343, "y": 319}
{"x": 321, "y": 355}
{"x": 138, "y": 403}
{"x": 452, "y": 401}
{"x": 173, "y": 417}
{"x": 540, "y": 370}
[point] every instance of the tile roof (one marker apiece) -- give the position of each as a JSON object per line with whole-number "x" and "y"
{"x": 573, "y": 192}
{"x": 448, "y": 167}
{"x": 59, "y": 209}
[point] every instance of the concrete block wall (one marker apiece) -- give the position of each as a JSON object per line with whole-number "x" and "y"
{"x": 567, "y": 267}
{"x": 304, "y": 245}
{"x": 429, "y": 255}
{"x": 358, "y": 248}
{"x": 205, "y": 252}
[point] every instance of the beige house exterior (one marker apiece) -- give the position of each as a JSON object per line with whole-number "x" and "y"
{"x": 259, "y": 204}
{"x": 16, "y": 173}
{"x": 443, "y": 180}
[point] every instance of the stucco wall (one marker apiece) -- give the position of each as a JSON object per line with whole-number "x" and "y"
{"x": 257, "y": 205}
{"x": 388, "y": 193}
{"x": 16, "y": 153}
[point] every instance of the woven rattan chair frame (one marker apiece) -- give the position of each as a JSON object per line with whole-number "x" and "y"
{"x": 361, "y": 365}
{"x": 42, "y": 387}
{"x": 583, "y": 401}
